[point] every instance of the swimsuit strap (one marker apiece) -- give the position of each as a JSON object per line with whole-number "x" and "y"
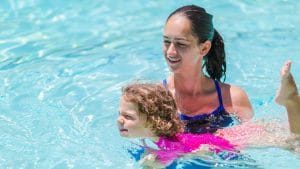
{"x": 219, "y": 92}
{"x": 165, "y": 83}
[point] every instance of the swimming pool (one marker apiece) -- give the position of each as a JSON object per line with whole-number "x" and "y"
{"x": 62, "y": 64}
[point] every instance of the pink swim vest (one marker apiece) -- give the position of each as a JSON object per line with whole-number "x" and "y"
{"x": 171, "y": 148}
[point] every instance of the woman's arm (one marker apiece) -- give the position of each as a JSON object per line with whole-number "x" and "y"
{"x": 240, "y": 103}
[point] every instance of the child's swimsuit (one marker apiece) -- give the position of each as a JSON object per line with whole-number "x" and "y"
{"x": 183, "y": 143}
{"x": 210, "y": 122}
{"x": 170, "y": 149}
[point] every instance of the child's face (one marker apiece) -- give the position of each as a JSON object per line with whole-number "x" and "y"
{"x": 130, "y": 123}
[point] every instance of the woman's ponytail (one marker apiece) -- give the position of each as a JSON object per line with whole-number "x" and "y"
{"x": 214, "y": 61}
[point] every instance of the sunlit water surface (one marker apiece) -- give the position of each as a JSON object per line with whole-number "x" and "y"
{"x": 62, "y": 64}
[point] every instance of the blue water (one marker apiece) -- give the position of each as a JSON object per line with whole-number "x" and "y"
{"x": 62, "y": 64}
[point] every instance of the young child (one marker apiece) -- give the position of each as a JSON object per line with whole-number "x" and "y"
{"x": 287, "y": 96}
{"x": 149, "y": 111}
{"x": 272, "y": 133}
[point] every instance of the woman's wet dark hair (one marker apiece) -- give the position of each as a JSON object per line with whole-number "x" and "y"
{"x": 203, "y": 29}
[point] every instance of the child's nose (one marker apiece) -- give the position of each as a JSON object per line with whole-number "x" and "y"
{"x": 120, "y": 120}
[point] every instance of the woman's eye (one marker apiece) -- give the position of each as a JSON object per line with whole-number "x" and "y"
{"x": 181, "y": 45}
{"x": 167, "y": 42}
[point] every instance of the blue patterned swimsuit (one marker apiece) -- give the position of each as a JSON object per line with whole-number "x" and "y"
{"x": 210, "y": 122}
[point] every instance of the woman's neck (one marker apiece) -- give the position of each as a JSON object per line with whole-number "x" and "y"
{"x": 191, "y": 84}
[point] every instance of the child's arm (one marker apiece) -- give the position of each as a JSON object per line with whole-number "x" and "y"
{"x": 150, "y": 161}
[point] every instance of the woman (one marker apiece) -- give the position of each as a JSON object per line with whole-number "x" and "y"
{"x": 194, "y": 52}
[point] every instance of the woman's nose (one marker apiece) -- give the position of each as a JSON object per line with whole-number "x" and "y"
{"x": 171, "y": 50}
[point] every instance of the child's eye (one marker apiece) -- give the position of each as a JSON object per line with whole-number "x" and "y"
{"x": 128, "y": 117}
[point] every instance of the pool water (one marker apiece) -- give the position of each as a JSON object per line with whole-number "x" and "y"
{"x": 63, "y": 63}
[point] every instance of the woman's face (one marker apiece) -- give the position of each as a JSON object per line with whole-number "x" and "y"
{"x": 180, "y": 47}
{"x": 130, "y": 122}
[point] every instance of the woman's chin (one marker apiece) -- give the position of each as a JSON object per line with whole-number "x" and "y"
{"x": 173, "y": 68}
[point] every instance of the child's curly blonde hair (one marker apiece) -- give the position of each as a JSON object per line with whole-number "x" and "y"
{"x": 158, "y": 105}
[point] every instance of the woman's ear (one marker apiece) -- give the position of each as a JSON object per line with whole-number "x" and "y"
{"x": 205, "y": 47}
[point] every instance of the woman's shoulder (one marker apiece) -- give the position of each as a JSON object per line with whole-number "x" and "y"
{"x": 235, "y": 91}
{"x": 238, "y": 99}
